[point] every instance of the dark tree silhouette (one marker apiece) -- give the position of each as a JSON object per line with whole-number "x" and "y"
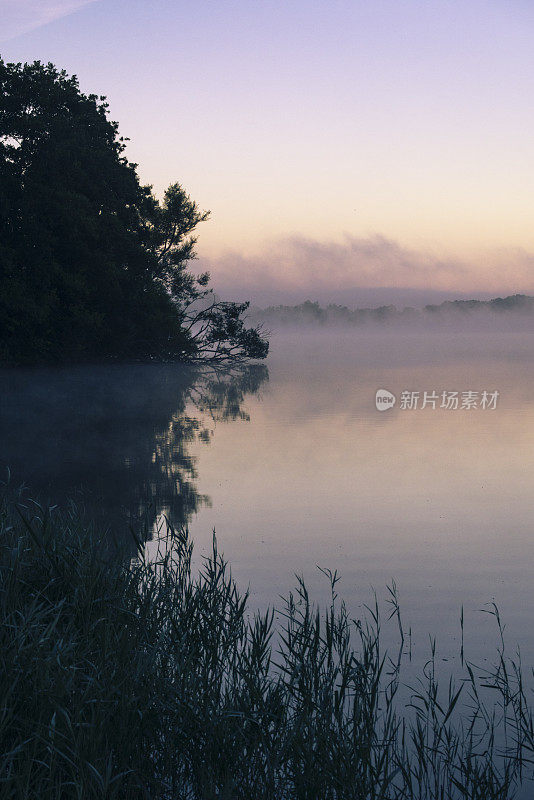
{"x": 91, "y": 264}
{"x": 216, "y": 328}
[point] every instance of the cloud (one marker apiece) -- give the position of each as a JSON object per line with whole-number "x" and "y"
{"x": 21, "y": 16}
{"x": 372, "y": 270}
{"x": 303, "y": 266}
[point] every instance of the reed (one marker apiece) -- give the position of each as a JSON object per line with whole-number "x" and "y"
{"x": 141, "y": 678}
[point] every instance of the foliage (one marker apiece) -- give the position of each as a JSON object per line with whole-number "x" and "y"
{"x": 91, "y": 264}
{"x": 124, "y": 679}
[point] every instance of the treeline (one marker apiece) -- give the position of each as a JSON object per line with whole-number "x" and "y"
{"x": 517, "y": 306}
{"x": 92, "y": 265}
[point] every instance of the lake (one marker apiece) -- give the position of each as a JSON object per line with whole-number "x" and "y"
{"x": 295, "y": 467}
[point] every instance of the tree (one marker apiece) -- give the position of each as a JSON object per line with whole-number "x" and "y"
{"x": 217, "y": 328}
{"x": 91, "y": 264}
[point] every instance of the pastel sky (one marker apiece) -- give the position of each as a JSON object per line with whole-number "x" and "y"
{"x": 361, "y": 143}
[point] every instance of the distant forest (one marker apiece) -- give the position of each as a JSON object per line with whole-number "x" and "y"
{"x": 515, "y": 308}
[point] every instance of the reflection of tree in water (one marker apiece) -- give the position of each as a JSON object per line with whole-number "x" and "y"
{"x": 118, "y": 437}
{"x": 215, "y": 396}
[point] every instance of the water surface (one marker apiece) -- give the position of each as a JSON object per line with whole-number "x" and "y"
{"x": 439, "y": 500}
{"x": 294, "y": 467}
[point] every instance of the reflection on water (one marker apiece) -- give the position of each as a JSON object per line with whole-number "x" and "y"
{"x": 118, "y": 438}
{"x": 439, "y": 500}
{"x": 442, "y": 501}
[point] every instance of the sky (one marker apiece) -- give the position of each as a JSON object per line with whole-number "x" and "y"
{"x": 342, "y": 146}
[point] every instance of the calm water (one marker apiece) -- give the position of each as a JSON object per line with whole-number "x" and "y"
{"x": 441, "y": 501}
{"x": 294, "y": 467}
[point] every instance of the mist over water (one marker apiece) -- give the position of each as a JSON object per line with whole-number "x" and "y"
{"x": 294, "y": 467}
{"x": 437, "y": 499}
{"x": 511, "y": 313}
